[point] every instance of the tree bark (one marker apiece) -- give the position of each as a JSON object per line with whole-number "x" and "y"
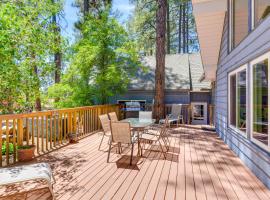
{"x": 184, "y": 27}
{"x": 37, "y": 92}
{"x": 180, "y": 28}
{"x": 85, "y": 7}
{"x": 187, "y": 26}
{"x": 159, "y": 107}
{"x": 57, "y": 55}
{"x": 168, "y": 30}
{"x": 57, "y": 60}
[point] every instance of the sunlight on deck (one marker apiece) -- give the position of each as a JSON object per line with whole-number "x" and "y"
{"x": 198, "y": 166}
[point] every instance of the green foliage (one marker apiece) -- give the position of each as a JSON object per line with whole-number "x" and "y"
{"x": 25, "y": 147}
{"x": 103, "y": 62}
{"x": 27, "y": 43}
{"x": 142, "y": 25}
{"x": 4, "y": 148}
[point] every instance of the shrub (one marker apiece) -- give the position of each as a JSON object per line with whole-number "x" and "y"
{"x": 4, "y": 148}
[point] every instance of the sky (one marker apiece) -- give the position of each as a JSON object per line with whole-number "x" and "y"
{"x": 123, "y": 9}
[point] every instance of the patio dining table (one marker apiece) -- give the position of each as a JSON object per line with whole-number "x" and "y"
{"x": 139, "y": 125}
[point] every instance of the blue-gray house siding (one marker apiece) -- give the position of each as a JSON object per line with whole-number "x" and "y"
{"x": 171, "y": 97}
{"x": 255, "y": 44}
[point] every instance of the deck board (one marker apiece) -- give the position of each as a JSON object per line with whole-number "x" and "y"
{"x": 198, "y": 166}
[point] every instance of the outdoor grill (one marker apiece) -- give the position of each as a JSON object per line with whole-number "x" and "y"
{"x": 131, "y": 108}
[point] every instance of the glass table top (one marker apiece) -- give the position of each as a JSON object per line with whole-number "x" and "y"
{"x": 139, "y": 123}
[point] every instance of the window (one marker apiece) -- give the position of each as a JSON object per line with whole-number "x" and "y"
{"x": 260, "y": 101}
{"x": 237, "y": 99}
{"x": 261, "y": 10}
{"x": 240, "y": 16}
{"x": 233, "y": 100}
{"x": 244, "y": 15}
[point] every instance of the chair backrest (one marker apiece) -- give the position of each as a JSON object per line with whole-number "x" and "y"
{"x": 164, "y": 129}
{"x": 176, "y": 110}
{"x": 105, "y": 122}
{"x": 113, "y": 117}
{"x": 145, "y": 116}
{"x": 121, "y": 132}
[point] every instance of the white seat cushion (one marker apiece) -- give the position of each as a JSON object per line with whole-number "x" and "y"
{"x": 25, "y": 173}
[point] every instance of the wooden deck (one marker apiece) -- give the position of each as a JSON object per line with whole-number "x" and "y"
{"x": 198, "y": 166}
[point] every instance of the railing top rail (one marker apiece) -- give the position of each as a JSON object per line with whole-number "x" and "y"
{"x": 51, "y": 112}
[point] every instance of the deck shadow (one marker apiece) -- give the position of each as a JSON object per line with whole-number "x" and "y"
{"x": 124, "y": 162}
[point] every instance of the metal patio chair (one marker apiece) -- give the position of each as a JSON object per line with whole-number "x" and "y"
{"x": 113, "y": 117}
{"x": 156, "y": 134}
{"x": 105, "y": 123}
{"x": 121, "y": 134}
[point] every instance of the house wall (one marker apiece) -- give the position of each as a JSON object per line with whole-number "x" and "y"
{"x": 254, "y": 45}
{"x": 170, "y": 96}
{"x": 200, "y": 97}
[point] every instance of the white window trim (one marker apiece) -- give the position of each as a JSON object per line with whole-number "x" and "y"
{"x": 234, "y": 72}
{"x": 252, "y": 63}
{"x": 230, "y": 25}
{"x": 252, "y": 14}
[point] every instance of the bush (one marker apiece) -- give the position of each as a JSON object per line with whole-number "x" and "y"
{"x": 4, "y": 148}
{"x": 25, "y": 147}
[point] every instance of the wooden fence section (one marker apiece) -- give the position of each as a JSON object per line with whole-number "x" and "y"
{"x": 47, "y": 130}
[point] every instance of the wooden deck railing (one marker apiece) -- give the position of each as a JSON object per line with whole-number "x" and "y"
{"x": 47, "y": 130}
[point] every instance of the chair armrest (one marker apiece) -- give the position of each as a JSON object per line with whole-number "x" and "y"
{"x": 169, "y": 115}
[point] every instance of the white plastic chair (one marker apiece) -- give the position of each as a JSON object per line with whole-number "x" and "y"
{"x": 145, "y": 116}
{"x": 175, "y": 115}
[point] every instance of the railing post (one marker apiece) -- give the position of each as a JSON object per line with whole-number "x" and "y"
{"x": 20, "y": 131}
{"x": 69, "y": 123}
{"x": 99, "y": 113}
{"x": 189, "y": 113}
{"x": 1, "y": 142}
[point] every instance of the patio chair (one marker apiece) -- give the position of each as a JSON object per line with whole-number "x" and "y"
{"x": 156, "y": 134}
{"x": 158, "y": 129}
{"x": 105, "y": 123}
{"x": 121, "y": 134}
{"x": 113, "y": 117}
{"x": 21, "y": 174}
{"x": 175, "y": 115}
{"x": 145, "y": 116}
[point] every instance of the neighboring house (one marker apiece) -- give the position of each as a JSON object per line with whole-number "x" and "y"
{"x": 182, "y": 81}
{"x": 183, "y": 85}
{"x": 234, "y": 38}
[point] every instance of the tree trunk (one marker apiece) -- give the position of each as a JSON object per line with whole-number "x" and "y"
{"x": 160, "y": 60}
{"x": 37, "y": 93}
{"x": 168, "y": 30}
{"x": 57, "y": 60}
{"x": 86, "y": 6}
{"x": 184, "y": 27}
{"x": 57, "y": 55}
{"x": 187, "y": 26}
{"x": 180, "y": 27}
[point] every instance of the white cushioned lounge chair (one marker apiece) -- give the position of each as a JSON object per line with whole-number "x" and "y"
{"x": 24, "y": 173}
